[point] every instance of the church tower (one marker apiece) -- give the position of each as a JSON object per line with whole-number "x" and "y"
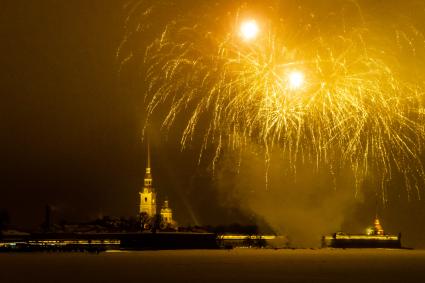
{"x": 148, "y": 194}
{"x": 167, "y": 214}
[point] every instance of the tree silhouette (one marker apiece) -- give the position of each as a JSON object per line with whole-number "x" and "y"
{"x": 145, "y": 221}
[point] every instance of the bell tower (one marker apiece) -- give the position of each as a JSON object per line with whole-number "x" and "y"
{"x": 167, "y": 214}
{"x": 148, "y": 194}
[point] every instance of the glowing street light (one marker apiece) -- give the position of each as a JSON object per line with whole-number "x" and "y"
{"x": 249, "y": 30}
{"x": 296, "y": 80}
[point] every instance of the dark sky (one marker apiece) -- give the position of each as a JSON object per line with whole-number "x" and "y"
{"x": 71, "y": 126}
{"x": 71, "y": 129}
{"x": 67, "y": 133}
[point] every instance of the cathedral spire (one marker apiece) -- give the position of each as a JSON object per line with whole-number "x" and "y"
{"x": 148, "y": 162}
{"x": 148, "y": 175}
{"x": 148, "y": 194}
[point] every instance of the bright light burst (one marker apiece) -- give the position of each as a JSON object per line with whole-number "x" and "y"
{"x": 249, "y": 30}
{"x": 296, "y": 80}
{"x": 362, "y": 106}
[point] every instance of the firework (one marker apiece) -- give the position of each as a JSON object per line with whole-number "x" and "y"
{"x": 321, "y": 84}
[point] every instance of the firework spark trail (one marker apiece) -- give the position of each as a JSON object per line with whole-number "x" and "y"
{"x": 357, "y": 107}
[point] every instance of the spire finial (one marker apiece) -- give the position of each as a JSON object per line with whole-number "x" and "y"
{"x": 148, "y": 176}
{"x": 148, "y": 159}
{"x": 148, "y": 164}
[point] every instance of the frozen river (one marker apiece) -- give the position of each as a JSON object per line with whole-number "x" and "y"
{"x": 238, "y": 265}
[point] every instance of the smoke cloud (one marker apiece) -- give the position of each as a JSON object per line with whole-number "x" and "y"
{"x": 302, "y": 205}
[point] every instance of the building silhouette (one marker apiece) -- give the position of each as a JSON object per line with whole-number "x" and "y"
{"x": 167, "y": 215}
{"x": 148, "y": 201}
{"x": 148, "y": 194}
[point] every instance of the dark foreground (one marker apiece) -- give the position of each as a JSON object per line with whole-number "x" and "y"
{"x": 238, "y": 265}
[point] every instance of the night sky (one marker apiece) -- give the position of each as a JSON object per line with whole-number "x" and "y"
{"x": 71, "y": 136}
{"x": 72, "y": 126}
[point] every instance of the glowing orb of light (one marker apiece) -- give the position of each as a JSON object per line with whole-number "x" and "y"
{"x": 249, "y": 30}
{"x": 369, "y": 231}
{"x": 295, "y": 80}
